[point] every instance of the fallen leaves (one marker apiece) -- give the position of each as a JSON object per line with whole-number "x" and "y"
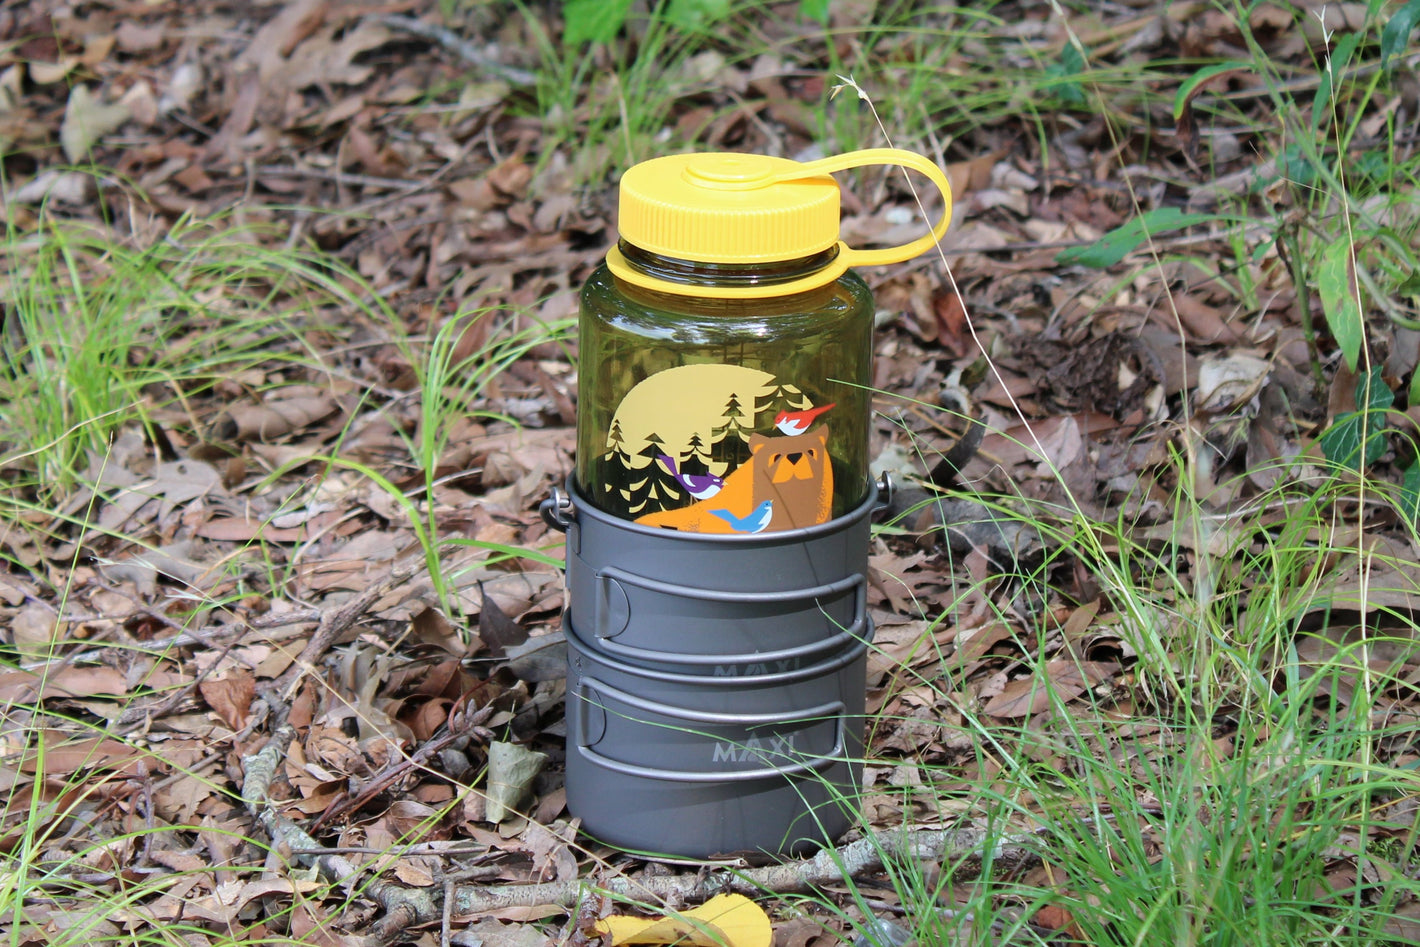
{"x": 511, "y": 771}
{"x": 58, "y": 680}
{"x": 230, "y": 697}
{"x": 1056, "y": 681}
{"x": 86, "y": 121}
{"x": 276, "y": 416}
{"x": 222, "y": 538}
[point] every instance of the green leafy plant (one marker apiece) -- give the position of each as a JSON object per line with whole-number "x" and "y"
{"x": 1398, "y": 29}
{"x": 1356, "y": 439}
{"x": 1125, "y": 239}
{"x": 598, "y": 21}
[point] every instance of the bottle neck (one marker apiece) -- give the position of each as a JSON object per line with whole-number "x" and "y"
{"x": 690, "y": 277}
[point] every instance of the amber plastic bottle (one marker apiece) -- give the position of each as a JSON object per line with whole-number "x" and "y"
{"x": 726, "y": 348}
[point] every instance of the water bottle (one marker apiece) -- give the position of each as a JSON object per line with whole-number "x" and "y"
{"x": 726, "y": 346}
{"x": 718, "y": 516}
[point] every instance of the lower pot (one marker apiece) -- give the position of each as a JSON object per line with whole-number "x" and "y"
{"x": 699, "y": 766}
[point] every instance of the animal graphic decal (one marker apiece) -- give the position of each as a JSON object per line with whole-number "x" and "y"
{"x": 797, "y": 422}
{"x": 756, "y": 522}
{"x": 717, "y": 448}
{"x": 787, "y": 483}
{"x": 700, "y": 486}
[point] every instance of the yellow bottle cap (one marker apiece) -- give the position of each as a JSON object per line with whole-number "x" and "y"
{"x": 750, "y": 209}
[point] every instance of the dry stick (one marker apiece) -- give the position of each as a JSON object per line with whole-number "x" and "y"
{"x": 259, "y": 770}
{"x": 460, "y": 725}
{"x": 966, "y": 850}
{"x": 460, "y": 47}
{"x": 334, "y": 623}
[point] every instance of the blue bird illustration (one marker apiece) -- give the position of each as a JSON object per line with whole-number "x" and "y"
{"x": 700, "y": 486}
{"x": 756, "y": 522}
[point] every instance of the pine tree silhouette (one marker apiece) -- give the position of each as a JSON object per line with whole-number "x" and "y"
{"x": 658, "y": 490}
{"x": 618, "y": 465}
{"x": 616, "y": 441}
{"x": 729, "y": 443}
{"x": 781, "y": 397}
{"x": 696, "y": 458}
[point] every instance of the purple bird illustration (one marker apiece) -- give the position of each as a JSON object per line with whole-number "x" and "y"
{"x": 797, "y": 422}
{"x": 700, "y": 486}
{"x": 756, "y": 522}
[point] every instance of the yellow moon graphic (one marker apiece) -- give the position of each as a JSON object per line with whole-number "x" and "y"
{"x": 679, "y": 403}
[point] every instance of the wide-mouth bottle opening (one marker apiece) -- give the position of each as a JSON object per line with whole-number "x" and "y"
{"x": 680, "y": 277}
{"x": 696, "y": 273}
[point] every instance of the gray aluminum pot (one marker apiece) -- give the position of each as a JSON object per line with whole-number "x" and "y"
{"x": 679, "y": 601}
{"x": 696, "y": 765}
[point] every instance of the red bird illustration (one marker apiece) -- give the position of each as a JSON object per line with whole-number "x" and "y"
{"x": 797, "y": 422}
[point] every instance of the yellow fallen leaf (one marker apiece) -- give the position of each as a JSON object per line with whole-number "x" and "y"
{"x": 726, "y": 920}
{"x": 86, "y": 120}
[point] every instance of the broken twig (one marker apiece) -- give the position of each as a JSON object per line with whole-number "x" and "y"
{"x": 334, "y": 623}
{"x": 963, "y": 850}
{"x": 460, "y": 47}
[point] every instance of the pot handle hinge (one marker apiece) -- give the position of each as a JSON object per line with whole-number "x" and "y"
{"x": 886, "y": 488}
{"x": 556, "y": 510}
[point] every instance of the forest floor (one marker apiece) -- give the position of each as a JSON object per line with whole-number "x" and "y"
{"x": 290, "y": 361}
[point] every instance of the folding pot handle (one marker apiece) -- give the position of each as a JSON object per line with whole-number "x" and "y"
{"x": 588, "y": 689}
{"x": 613, "y": 615}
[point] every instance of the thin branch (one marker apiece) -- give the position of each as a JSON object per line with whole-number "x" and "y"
{"x": 460, "y": 47}
{"x": 333, "y": 624}
{"x": 964, "y": 850}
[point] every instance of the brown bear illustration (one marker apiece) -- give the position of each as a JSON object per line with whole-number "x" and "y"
{"x": 792, "y": 474}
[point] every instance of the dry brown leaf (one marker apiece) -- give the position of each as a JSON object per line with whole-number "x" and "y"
{"x": 14, "y": 590}
{"x": 179, "y": 800}
{"x": 1053, "y": 917}
{"x": 324, "y": 59}
{"x": 18, "y": 687}
{"x": 1404, "y": 923}
{"x": 411, "y": 874}
{"x": 134, "y": 37}
{"x": 1228, "y": 381}
{"x": 275, "y": 417}
{"x": 224, "y": 905}
{"x": 182, "y": 480}
{"x": 183, "y": 862}
{"x": 34, "y": 629}
{"x": 1030, "y": 695}
{"x": 231, "y": 697}
{"x": 799, "y": 932}
{"x": 552, "y": 854}
{"x": 48, "y": 73}
{"x": 64, "y": 755}
{"x": 972, "y": 174}
{"x": 490, "y": 930}
{"x": 973, "y": 645}
{"x": 279, "y": 36}
{"x": 1080, "y": 620}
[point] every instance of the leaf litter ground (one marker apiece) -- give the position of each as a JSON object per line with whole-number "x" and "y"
{"x": 228, "y": 576}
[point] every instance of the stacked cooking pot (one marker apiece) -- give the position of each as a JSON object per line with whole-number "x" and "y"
{"x": 716, "y": 683}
